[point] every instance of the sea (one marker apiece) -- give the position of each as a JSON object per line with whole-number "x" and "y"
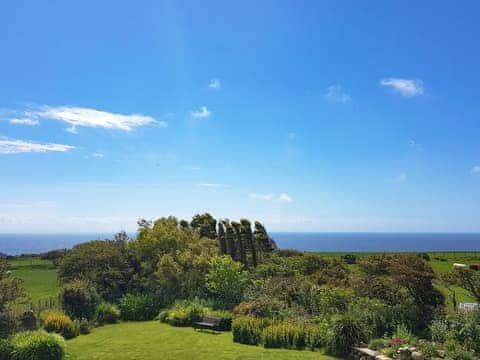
{"x": 15, "y": 244}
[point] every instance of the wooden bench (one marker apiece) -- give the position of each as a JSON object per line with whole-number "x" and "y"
{"x": 208, "y": 322}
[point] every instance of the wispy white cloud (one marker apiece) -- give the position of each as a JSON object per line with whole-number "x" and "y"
{"x": 203, "y": 113}
{"x": 336, "y": 94}
{"x": 77, "y": 117}
{"x": 98, "y": 155}
{"x": 213, "y": 185}
{"x": 405, "y": 87}
{"x": 24, "y": 121}
{"x": 215, "y": 84}
{"x": 414, "y": 144}
{"x": 281, "y": 198}
{"x": 475, "y": 170}
{"x": 11, "y": 146}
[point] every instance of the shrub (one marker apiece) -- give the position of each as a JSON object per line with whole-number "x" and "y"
{"x": 454, "y": 351}
{"x": 6, "y": 349}
{"x": 429, "y": 350}
{"x": 37, "y": 345}
{"x": 183, "y": 313}
{"x": 349, "y": 259}
{"x": 439, "y": 330}
{"x": 344, "y": 333}
{"x": 248, "y": 330}
{"x": 226, "y": 281}
{"x": 8, "y": 324}
{"x": 107, "y": 313}
{"x": 261, "y": 307}
{"x": 138, "y": 307}
{"x": 284, "y": 335}
{"x": 28, "y": 321}
{"x": 85, "y": 327}
{"x": 315, "y": 335}
{"x": 60, "y": 323}
{"x": 79, "y": 299}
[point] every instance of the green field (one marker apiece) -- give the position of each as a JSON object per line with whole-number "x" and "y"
{"x": 153, "y": 340}
{"x": 39, "y": 277}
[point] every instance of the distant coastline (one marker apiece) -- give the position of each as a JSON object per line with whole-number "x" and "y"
{"x": 21, "y": 243}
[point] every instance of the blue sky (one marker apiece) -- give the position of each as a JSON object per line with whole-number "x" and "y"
{"x": 307, "y": 115}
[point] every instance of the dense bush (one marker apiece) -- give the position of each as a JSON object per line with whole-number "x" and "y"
{"x": 263, "y": 306}
{"x": 6, "y": 349}
{"x": 139, "y": 307}
{"x": 284, "y": 335}
{"x": 248, "y": 330}
{"x": 344, "y": 333}
{"x": 107, "y": 313}
{"x": 85, "y": 327}
{"x": 183, "y": 313}
{"x": 60, "y": 323}
{"x": 79, "y": 299}
{"x": 105, "y": 264}
{"x": 8, "y": 324}
{"x": 226, "y": 281}
{"x": 439, "y": 330}
{"x": 37, "y": 345}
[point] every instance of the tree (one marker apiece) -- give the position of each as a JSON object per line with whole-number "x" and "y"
{"x": 184, "y": 224}
{"x": 79, "y": 299}
{"x": 206, "y": 224}
{"x": 221, "y": 238}
{"x": 230, "y": 239}
{"x": 226, "y": 281}
{"x": 239, "y": 241}
{"x": 122, "y": 236}
{"x": 265, "y": 242}
{"x": 105, "y": 264}
{"x": 248, "y": 236}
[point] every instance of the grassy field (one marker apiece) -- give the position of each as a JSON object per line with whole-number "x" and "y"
{"x": 39, "y": 277}
{"x": 153, "y": 340}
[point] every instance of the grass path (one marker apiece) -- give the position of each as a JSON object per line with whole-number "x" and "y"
{"x": 153, "y": 340}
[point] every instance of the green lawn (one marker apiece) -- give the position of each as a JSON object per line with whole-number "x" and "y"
{"x": 39, "y": 277}
{"x": 153, "y": 340}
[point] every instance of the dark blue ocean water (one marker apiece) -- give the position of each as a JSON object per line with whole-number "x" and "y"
{"x": 326, "y": 242}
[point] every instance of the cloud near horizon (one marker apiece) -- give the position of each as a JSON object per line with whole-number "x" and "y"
{"x": 405, "y": 87}
{"x": 86, "y": 117}
{"x": 281, "y": 198}
{"x": 12, "y": 146}
{"x": 475, "y": 169}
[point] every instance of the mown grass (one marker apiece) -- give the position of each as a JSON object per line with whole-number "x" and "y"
{"x": 39, "y": 277}
{"x": 153, "y": 340}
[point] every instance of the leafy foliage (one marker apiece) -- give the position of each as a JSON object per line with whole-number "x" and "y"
{"x": 107, "y": 313}
{"x": 37, "y": 345}
{"x": 60, "y": 323}
{"x": 226, "y": 281}
{"x": 248, "y": 330}
{"x": 105, "y": 264}
{"x": 141, "y": 307}
{"x": 79, "y": 299}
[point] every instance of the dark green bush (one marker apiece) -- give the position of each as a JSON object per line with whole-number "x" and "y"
{"x": 107, "y": 313}
{"x": 138, "y": 307}
{"x": 248, "y": 330}
{"x": 315, "y": 336}
{"x": 79, "y": 299}
{"x": 6, "y": 349}
{"x": 284, "y": 335}
{"x": 85, "y": 327}
{"x": 37, "y": 345}
{"x": 344, "y": 333}
{"x": 8, "y": 324}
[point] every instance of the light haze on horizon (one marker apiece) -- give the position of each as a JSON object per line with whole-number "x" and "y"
{"x": 306, "y": 115}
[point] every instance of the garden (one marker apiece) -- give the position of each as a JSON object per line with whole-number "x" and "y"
{"x": 128, "y": 298}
